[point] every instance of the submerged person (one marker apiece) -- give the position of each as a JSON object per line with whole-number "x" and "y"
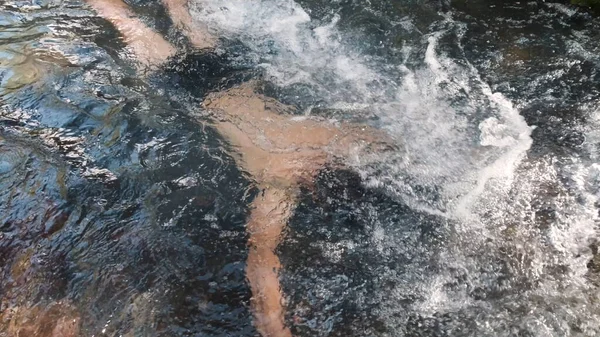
{"x": 279, "y": 152}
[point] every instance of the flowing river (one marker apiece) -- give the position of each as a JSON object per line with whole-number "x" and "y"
{"x": 123, "y": 213}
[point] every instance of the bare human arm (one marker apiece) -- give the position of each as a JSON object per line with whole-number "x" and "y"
{"x": 147, "y": 46}
{"x": 196, "y": 32}
{"x": 270, "y": 210}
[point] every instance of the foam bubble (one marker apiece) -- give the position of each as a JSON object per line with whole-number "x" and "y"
{"x": 517, "y": 233}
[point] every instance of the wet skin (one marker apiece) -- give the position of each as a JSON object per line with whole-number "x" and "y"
{"x": 279, "y": 152}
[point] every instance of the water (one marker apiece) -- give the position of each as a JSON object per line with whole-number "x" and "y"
{"x": 122, "y": 211}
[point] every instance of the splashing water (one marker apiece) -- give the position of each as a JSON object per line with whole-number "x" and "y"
{"x": 483, "y": 224}
{"x": 506, "y": 265}
{"x": 440, "y": 136}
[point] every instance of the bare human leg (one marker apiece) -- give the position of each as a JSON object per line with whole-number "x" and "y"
{"x": 270, "y": 212}
{"x": 279, "y": 152}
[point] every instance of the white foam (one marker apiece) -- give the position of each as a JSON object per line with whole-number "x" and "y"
{"x": 289, "y": 47}
{"x": 463, "y": 159}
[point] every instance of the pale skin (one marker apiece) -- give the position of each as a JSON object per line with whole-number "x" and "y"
{"x": 147, "y": 46}
{"x": 196, "y": 33}
{"x": 278, "y": 151}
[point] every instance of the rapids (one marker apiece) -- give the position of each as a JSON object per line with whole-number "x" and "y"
{"x": 122, "y": 212}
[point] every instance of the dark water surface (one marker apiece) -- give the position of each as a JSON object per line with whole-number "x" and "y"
{"x": 113, "y": 199}
{"x": 122, "y": 210}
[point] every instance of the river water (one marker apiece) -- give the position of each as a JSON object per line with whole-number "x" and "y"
{"x": 124, "y": 213}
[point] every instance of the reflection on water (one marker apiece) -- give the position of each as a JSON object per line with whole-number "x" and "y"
{"x": 120, "y": 216}
{"x": 122, "y": 213}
